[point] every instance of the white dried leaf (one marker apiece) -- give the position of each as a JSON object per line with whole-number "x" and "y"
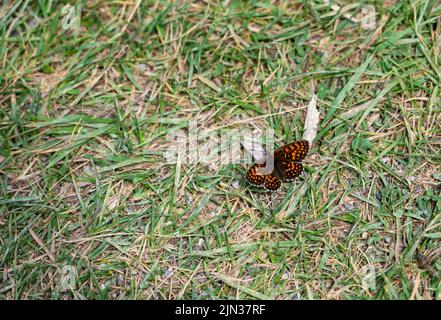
{"x": 311, "y": 121}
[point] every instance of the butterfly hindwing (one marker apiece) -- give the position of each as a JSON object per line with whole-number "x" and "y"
{"x": 255, "y": 175}
{"x": 272, "y": 183}
{"x": 291, "y": 170}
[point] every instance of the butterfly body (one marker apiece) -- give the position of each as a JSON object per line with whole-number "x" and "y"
{"x": 284, "y": 165}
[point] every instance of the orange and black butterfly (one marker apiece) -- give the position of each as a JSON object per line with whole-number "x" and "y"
{"x": 287, "y": 166}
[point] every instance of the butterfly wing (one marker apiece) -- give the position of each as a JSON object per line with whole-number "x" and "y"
{"x": 295, "y": 151}
{"x": 272, "y": 183}
{"x": 253, "y": 177}
{"x": 269, "y": 181}
{"x": 290, "y": 170}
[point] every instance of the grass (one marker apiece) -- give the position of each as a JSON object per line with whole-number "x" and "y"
{"x": 84, "y": 119}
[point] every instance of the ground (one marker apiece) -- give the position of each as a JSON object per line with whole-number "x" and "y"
{"x": 90, "y": 95}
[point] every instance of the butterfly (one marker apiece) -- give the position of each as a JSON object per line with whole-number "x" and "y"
{"x": 287, "y": 166}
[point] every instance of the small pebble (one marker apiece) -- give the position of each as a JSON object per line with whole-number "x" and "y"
{"x": 201, "y": 278}
{"x": 168, "y": 273}
{"x": 235, "y": 184}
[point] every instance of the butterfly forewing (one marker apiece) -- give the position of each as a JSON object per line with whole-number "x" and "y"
{"x": 295, "y": 151}
{"x": 253, "y": 177}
